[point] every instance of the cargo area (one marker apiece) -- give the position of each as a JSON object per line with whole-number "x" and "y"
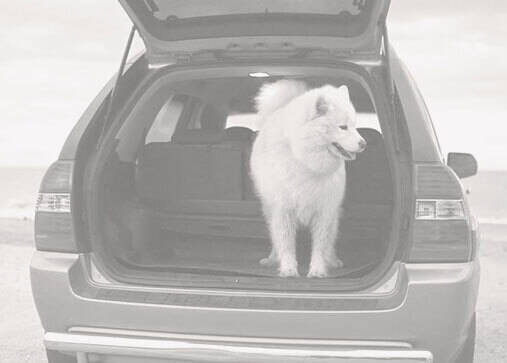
{"x": 176, "y": 203}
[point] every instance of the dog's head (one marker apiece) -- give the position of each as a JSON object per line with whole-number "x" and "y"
{"x": 327, "y": 134}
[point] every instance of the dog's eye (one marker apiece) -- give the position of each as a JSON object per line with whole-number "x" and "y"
{"x": 344, "y": 127}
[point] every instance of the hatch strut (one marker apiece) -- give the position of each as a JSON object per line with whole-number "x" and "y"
{"x": 390, "y": 81}
{"x": 387, "y": 54}
{"x": 114, "y": 90}
{"x": 387, "y": 57}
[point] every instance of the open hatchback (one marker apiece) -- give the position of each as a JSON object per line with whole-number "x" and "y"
{"x": 174, "y": 29}
{"x": 171, "y": 200}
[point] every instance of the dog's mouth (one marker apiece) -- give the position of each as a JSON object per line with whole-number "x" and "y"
{"x": 339, "y": 150}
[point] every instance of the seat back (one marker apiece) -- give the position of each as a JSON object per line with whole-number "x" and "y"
{"x": 199, "y": 165}
{"x": 243, "y": 138}
{"x": 369, "y": 177}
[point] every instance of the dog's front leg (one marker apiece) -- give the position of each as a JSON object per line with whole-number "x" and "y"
{"x": 324, "y": 232}
{"x": 283, "y": 235}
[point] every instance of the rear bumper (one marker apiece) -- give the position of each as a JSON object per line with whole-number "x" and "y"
{"x": 432, "y": 307}
{"x": 96, "y": 348}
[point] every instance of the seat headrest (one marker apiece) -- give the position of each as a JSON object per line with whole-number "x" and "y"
{"x": 238, "y": 133}
{"x": 199, "y": 136}
{"x": 371, "y": 136}
{"x": 212, "y": 118}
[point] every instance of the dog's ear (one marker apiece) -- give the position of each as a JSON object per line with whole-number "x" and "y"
{"x": 344, "y": 92}
{"x": 321, "y": 106}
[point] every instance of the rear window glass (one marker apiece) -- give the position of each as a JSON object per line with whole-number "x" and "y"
{"x": 195, "y": 19}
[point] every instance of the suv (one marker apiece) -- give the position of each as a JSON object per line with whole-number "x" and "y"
{"x": 148, "y": 232}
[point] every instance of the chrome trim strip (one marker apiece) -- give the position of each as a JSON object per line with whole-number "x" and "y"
{"x": 205, "y": 352}
{"x": 243, "y": 340}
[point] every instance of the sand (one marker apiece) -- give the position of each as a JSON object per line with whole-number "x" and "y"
{"x": 21, "y": 333}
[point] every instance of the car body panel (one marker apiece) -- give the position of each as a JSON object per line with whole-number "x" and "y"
{"x": 170, "y": 28}
{"x": 425, "y": 146}
{"x": 433, "y": 315}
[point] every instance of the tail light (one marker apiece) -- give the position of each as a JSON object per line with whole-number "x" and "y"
{"x": 53, "y": 219}
{"x": 442, "y": 230}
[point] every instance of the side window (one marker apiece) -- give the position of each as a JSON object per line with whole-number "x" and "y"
{"x": 248, "y": 120}
{"x": 368, "y": 120}
{"x": 206, "y": 117}
{"x": 194, "y": 122}
{"x": 166, "y": 120}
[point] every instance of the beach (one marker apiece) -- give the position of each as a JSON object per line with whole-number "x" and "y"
{"x": 21, "y": 333}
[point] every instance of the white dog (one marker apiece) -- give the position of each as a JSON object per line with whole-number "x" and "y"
{"x": 298, "y": 168}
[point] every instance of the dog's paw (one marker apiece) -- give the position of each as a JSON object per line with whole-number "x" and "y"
{"x": 334, "y": 262}
{"x": 289, "y": 272}
{"x": 268, "y": 261}
{"x": 288, "y": 269}
{"x": 317, "y": 271}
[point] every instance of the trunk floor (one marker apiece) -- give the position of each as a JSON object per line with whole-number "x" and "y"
{"x": 222, "y": 256}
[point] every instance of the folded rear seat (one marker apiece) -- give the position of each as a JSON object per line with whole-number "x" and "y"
{"x": 201, "y": 184}
{"x": 201, "y": 171}
{"x": 207, "y": 172}
{"x": 243, "y": 138}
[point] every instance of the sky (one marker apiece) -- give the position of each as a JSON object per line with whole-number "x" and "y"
{"x": 56, "y": 55}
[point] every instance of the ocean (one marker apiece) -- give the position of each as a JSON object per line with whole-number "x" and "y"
{"x": 488, "y": 196}
{"x": 19, "y": 186}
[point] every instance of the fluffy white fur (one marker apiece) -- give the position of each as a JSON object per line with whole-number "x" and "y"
{"x": 298, "y": 168}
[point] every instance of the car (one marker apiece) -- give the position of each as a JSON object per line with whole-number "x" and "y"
{"x": 149, "y": 232}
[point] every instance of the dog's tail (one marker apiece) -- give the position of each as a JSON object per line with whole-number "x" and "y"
{"x": 273, "y": 96}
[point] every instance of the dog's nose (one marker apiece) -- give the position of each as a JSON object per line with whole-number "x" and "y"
{"x": 362, "y": 145}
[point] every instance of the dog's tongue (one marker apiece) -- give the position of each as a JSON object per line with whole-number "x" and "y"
{"x": 352, "y": 156}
